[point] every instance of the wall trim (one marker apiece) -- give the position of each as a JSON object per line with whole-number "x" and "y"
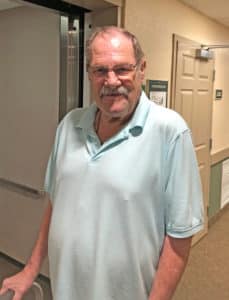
{"x": 12, "y": 261}
{"x": 217, "y": 216}
{"x": 219, "y": 155}
{"x": 115, "y": 2}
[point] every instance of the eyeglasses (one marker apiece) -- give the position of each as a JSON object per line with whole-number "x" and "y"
{"x": 119, "y": 70}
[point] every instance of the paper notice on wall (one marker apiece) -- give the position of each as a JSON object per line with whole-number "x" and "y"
{"x": 157, "y": 91}
{"x": 158, "y": 97}
{"x": 225, "y": 184}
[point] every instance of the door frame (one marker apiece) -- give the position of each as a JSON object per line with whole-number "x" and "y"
{"x": 175, "y": 40}
{"x": 179, "y": 39}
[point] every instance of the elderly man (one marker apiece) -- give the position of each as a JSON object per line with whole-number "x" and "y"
{"x": 125, "y": 196}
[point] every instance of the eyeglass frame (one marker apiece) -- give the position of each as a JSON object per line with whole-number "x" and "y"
{"x": 118, "y": 73}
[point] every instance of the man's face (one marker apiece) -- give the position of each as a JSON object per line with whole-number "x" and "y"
{"x": 115, "y": 78}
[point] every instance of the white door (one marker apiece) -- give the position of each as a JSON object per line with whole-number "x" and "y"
{"x": 192, "y": 98}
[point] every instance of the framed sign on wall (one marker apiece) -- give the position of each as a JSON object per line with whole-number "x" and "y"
{"x": 157, "y": 91}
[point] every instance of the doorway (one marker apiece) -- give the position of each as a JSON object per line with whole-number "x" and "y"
{"x": 192, "y": 87}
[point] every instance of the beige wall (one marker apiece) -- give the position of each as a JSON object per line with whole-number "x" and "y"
{"x": 220, "y": 128}
{"x": 154, "y": 22}
{"x": 29, "y": 100}
{"x": 103, "y": 17}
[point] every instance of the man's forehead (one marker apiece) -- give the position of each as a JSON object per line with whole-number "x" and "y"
{"x": 115, "y": 42}
{"x": 113, "y": 38}
{"x": 112, "y": 47}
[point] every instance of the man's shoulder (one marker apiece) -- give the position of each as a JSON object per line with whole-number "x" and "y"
{"x": 168, "y": 116}
{"x": 162, "y": 116}
{"x": 70, "y": 121}
{"x": 166, "y": 120}
{"x": 73, "y": 117}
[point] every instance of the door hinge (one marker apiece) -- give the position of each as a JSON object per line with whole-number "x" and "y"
{"x": 213, "y": 75}
{"x": 210, "y": 144}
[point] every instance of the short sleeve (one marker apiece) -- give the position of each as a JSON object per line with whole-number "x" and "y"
{"x": 183, "y": 193}
{"x": 49, "y": 184}
{"x": 50, "y": 176}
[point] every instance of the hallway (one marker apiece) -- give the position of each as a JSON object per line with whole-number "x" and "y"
{"x": 207, "y": 273}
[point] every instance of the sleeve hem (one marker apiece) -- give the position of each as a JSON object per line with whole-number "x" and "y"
{"x": 186, "y": 233}
{"x": 48, "y": 192}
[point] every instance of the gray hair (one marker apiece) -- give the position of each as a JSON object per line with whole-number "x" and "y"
{"x": 138, "y": 52}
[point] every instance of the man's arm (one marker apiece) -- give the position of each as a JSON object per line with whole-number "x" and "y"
{"x": 23, "y": 280}
{"x": 173, "y": 259}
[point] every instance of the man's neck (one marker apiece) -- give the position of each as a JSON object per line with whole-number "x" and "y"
{"x": 107, "y": 127}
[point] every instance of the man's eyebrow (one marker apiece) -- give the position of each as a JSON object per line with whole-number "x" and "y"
{"x": 118, "y": 65}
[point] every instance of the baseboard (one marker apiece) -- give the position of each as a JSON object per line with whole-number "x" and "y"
{"x": 217, "y": 216}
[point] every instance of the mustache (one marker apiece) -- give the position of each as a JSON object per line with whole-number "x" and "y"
{"x": 108, "y": 91}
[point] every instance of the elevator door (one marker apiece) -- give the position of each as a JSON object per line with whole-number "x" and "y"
{"x": 71, "y": 71}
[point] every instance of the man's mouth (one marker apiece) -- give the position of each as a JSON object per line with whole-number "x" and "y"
{"x": 112, "y": 94}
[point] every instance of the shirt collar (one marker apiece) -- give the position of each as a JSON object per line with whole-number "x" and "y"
{"x": 86, "y": 122}
{"x": 135, "y": 125}
{"x": 137, "y": 122}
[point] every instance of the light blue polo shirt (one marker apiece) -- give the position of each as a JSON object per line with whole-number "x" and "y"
{"x": 114, "y": 203}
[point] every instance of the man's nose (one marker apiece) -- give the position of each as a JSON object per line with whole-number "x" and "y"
{"x": 112, "y": 79}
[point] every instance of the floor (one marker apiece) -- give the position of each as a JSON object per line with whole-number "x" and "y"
{"x": 206, "y": 276}
{"x": 207, "y": 273}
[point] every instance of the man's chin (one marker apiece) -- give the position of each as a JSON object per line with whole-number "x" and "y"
{"x": 117, "y": 111}
{"x": 115, "y": 106}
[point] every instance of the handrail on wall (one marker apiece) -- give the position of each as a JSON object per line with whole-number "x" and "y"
{"x": 21, "y": 188}
{"x": 35, "y": 293}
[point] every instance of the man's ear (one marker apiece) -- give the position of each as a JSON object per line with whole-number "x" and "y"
{"x": 88, "y": 73}
{"x": 142, "y": 69}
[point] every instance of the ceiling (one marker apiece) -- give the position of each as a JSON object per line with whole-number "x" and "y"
{"x": 216, "y": 9}
{"x": 90, "y": 4}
